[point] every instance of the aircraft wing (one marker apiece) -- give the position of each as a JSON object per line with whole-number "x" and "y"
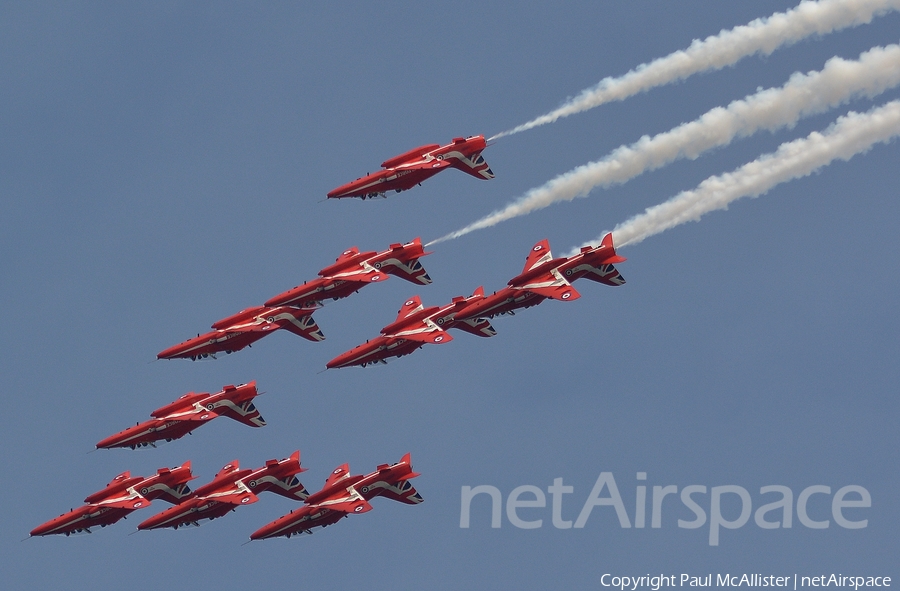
{"x": 240, "y": 497}
{"x": 551, "y": 285}
{"x": 244, "y": 329}
{"x": 339, "y": 473}
{"x": 409, "y": 156}
{"x": 409, "y": 307}
{"x": 346, "y": 501}
{"x": 348, "y": 254}
{"x": 195, "y": 414}
{"x": 424, "y": 164}
{"x": 228, "y": 468}
{"x": 135, "y": 502}
{"x": 540, "y": 253}
{"x": 127, "y": 499}
{"x": 364, "y": 274}
{"x": 425, "y": 331}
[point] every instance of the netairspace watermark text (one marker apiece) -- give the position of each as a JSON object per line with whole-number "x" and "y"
{"x": 723, "y": 507}
{"x": 657, "y": 582}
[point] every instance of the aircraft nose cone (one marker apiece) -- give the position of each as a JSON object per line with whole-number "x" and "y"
{"x": 169, "y": 353}
{"x": 106, "y": 443}
{"x": 265, "y": 531}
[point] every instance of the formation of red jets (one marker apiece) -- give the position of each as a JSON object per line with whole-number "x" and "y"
{"x": 233, "y": 487}
{"x": 544, "y": 277}
{"x": 411, "y": 168}
{"x": 292, "y": 310}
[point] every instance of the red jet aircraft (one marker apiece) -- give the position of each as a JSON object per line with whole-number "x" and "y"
{"x": 545, "y": 277}
{"x": 353, "y": 270}
{"x": 415, "y": 326}
{"x": 231, "y": 488}
{"x": 245, "y": 328}
{"x": 343, "y": 495}
{"x": 411, "y": 168}
{"x": 123, "y": 495}
{"x": 192, "y": 410}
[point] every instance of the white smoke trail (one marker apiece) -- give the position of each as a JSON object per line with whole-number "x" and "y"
{"x": 761, "y": 36}
{"x": 850, "y": 135}
{"x": 804, "y": 94}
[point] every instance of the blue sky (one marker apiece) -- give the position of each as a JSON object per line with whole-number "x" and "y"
{"x": 163, "y": 165}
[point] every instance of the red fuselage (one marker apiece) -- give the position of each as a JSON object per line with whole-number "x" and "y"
{"x": 501, "y": 302}
{"x": 392, "y": 343}
{"x": 353, "y": 270}
{"x": 411, "y": 168}
{"x": 231, "y": 488}
{"x": 391, "y": 481}
{"x": 192, "y": 410}
{"x": 122, "y": 496}
{"x": 594, "y": 263}
{"x": 244, "y": 329}
{"x": 85, "y": 517}
{"x": 374, "y": 351}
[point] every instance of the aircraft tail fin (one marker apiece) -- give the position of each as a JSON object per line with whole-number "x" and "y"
{"x": 245, "y": 413}
{"x": 294, "y": 489}
{"x": 305, "y": 327}
{"x": 606, "y": 274}
{"x": 480, "y": 327}
{"x": 474, "y": 165}
{"x": 411, "y": 270}
{"x": 402, "y": 492}
{"x": 402, "y": 260}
